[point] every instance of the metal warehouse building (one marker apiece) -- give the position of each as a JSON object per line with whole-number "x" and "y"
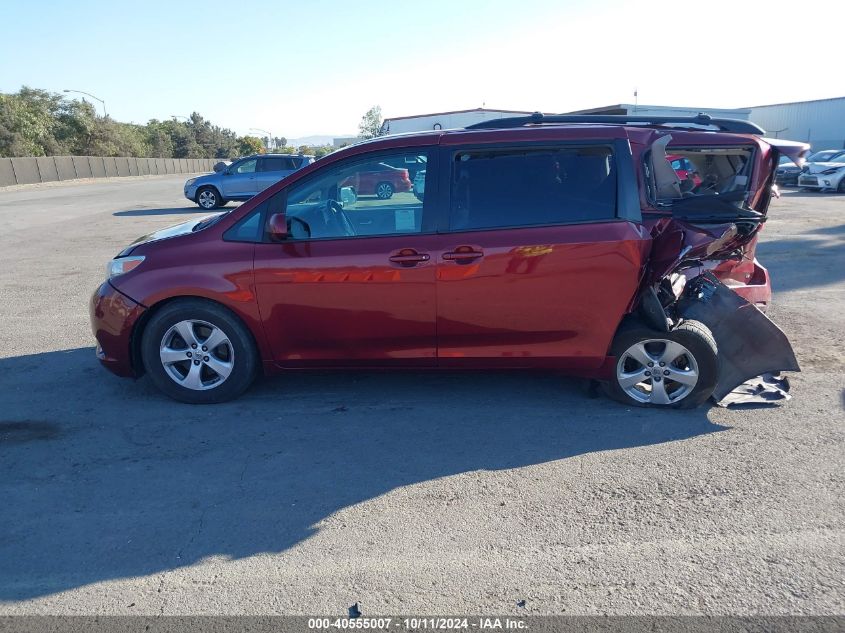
{"x": 444, "y": 120}
{"x": 820, "y": 123}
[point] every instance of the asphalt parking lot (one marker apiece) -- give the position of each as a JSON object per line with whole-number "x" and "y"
{"x": 409, "y": 492}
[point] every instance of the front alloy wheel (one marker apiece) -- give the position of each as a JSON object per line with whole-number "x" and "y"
{"x": 197, "y": 355}
{"x": 208, "y": 199}
{"x": 198, "y": 351}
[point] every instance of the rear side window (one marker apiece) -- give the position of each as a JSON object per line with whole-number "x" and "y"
{"x": 531, "y": 187}
{"x": 278, "y": 163}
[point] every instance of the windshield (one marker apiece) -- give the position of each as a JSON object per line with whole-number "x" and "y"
{"x": 825, "y": 156}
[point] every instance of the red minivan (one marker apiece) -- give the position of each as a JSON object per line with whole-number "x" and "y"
{"x": 556, "y": 242}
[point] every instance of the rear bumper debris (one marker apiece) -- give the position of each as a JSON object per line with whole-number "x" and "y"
{"x": 750, "y": 345}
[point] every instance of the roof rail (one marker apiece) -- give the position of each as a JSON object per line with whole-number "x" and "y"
{"x": 737, "y": 126}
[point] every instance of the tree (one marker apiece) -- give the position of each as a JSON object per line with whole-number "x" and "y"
{"x": 370, "y": 125}
{"x": 250, "y": 145}
{"x": 39, "y": 123}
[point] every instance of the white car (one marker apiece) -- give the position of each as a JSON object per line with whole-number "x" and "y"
{"x": 826, "y": 175}
{"x": 419, "y": 185}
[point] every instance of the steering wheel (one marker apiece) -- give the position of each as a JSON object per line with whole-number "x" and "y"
{"x": 343, "y": 221}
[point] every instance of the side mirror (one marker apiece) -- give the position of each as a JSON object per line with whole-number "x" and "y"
{"x": 277, "y": 227}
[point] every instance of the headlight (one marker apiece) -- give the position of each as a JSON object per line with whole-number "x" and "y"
{"x": 190, "y": 182}
{"x": 121, "y": 265}
{"x": 832, "y": 170}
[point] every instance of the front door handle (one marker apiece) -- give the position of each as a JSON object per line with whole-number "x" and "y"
{"x": 408, "y": 257}
{"x": 463, "y": 254}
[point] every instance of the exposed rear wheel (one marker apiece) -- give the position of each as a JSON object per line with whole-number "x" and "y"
{"x": 198, "y": 352}
{"x": 676, "y": 369}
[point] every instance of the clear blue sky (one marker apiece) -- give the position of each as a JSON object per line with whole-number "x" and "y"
{"x": 315, "y": 66}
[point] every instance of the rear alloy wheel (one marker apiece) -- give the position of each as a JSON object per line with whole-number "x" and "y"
{"x": 676, "y": 369}
{"x": 208, "y": 198}
{"x": 384, "y": 190}
{"x": 198, "y": 352}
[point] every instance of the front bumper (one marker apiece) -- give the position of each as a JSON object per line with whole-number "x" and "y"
{"x": 820, "y": 181}
{"x": 191, "y": 192}
{"x": 113, "y": 319}
{"x": 787, "y": 178}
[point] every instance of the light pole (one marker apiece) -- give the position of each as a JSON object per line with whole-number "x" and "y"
{"x": 88, "y": 94}
{"x": 269, "y": 134}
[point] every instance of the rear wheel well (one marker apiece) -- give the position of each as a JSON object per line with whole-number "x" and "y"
{"x": 141, "y": 325}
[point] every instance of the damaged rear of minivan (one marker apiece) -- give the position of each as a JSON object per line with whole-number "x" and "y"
{"x": 698, "y": 329}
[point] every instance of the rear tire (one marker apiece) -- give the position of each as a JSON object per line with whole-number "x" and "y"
{"x": 685, "y": 379}
{"x": 182, "y": 366}
{"x": 384, "y": 190}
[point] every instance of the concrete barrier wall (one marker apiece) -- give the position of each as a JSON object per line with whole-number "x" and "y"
{"x": 64, "y": 165}
{"x": 28, "y": 170}
{"x": 98, "y": 166}
{"x": 81, "y": 166}
{"x": 7, "y": 173}
{"x": 47, "y": 169}
{"x": 111, "y": 166}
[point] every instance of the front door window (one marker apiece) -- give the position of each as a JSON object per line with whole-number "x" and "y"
{"x": 364, "y": 198}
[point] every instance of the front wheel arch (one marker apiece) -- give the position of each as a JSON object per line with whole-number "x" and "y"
{"x": 143, "y": 321}
{"x": 220, "y": 200}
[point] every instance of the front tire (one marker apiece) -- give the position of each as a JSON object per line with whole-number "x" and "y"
{"x": 676, "y": 369}
{"x": 208, "y": 198}
{"x": 198, "y": 352}
{"x": 841, "y": 187}
{"x": 384, "y": 190}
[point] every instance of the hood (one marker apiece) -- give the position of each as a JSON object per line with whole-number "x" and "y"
{"x": 817, "y": 168}
{"x": 183, "y": 228}
{"x": 204, "y": 177}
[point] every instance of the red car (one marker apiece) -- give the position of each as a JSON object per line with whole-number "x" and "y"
{"x": 378, "y": 179}
{"x": 558, "y": 242}
{"x": 685, "y": 169}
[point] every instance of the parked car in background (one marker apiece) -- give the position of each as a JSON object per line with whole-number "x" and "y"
{"x": 243, "y": 179}
{"x": 824, "y": 171}
{"x": 685, "y": 169}
{"x": 414, "y": 164}
{"x": 379, "y": 179}
{"x": 787, "y": 172}
{"x": 419, "y": 185}
{"x": 551, "y": 243}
